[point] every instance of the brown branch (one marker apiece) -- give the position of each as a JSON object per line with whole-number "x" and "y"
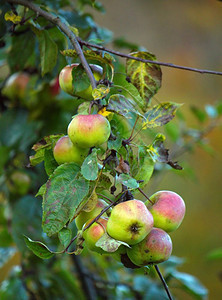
{"x": 163, "y": 282}
{"x": 64, "y": 28}
{"x": 142, "y": 192}
{"x": 169, "y": 65}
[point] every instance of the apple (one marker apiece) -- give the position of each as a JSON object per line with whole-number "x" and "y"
{"x": 15, "y": 86}
{"x": 130, "y": 222}
{"x": 19, "y": 183}
{"x": 66, "y": 78}
{"x": 86, "y": 131}
{"x": 168, "y": 210}
{"x": 92, "y": 234}
{"x": 154, "y": 249}
{"x": 65, "y": 151}
{"x": 54, "y": 87}
{"x": 84, "y": 216}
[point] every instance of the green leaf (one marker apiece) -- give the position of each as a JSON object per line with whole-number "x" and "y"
{"x": 65, "y": 191}
{"x": 27, "y": 215}
{"x": 160, "y": 114}
{"x": 49, "y": 161}
{"x": 215, "y": 254}
{"x": 18, "y": 58}
{"x": 191, "y": 284}
{"x": 108, "y": 244}
{"x": 146, "y": 77}
{"x": 199, "y": 113}
{"x": 115, "y": 144}
{"x": 80, "y": 79}
{"x": 89, "y": 168}
{"x": 48, "y": 50}
{"x": 65, "y": 236}
{"x": 122, "y": 106}
{"x": 41, "y": 190}
{"x": 47, "y": 142}
{"x": 6, "y": 254}
{"x": 128, "y": 181}
{"x": 145, "y": 166}
{"x": 79, "y": 243}
{"x": 38, "y": 248}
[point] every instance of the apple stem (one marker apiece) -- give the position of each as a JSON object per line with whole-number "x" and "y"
{"x": 164, "y": 282}
{"x": 142, "y": 192}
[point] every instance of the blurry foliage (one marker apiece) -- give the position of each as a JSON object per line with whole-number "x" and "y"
{"x": 34, "y": 46}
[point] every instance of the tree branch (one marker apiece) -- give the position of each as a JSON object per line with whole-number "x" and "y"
{"x": 170, "y": 65}
{"x": 163, "y": 282}
{"x": 64, "y": 28}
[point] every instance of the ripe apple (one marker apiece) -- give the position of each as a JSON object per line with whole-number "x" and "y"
{"x": 87, "y": 131}
{"x": 15, "y": 85}
{"x": 168, "y": 210}
{"x": 65, "y": 151}
{"x": 94, "y": 233}
{"x": 67, "y": 76}
{"x": 130, "y": 222}
{"x": 154, "y": 249}
{"x": 84, "y": 216}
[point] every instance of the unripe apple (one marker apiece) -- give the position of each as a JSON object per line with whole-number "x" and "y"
{"x": 154, "y": 249}
{"x": 130, "y": 222}
{"x": 15, "y": 85}
{"x": 84, "y": 216}
{"x": 19, "y": 183}
{"x": 94, "y": 233}
{"x": 168, "y": 210}
{"x": 87, "y": 131}
{"x": 67, "y": 76}
{"x": 65, "y": 151}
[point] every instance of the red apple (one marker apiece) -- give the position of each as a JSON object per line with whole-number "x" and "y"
{"x": 168, "y": 210}
{"x": 84, "y": 216}
{"x": 154, "y": 249}
{"x": 65, "y": 152}
{"x": 94, "y": 233}
{"x": 130, "y": 222}
{"x": 67, "y": 76}
{"x": 87, "y": 131}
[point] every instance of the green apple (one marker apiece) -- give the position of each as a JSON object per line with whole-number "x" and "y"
{"x": 94, "y": 233}
{"x": 130, "y": 222}
{"x": 84, "y": 216}
{"x": 15, "y": 86}
{"x": 168, "y": 210}
{"x": 67, "y": 76}
{"x": 65, "y": 151}
{"x": 154, "y": 249}
{"x": 19, "y": 183}
{"x": 86, "y": 131}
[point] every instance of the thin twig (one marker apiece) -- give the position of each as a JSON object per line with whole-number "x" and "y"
{"x": 64, "y": 28}
{"x": 142, "y": 192}
{"x": 164, "y": 282}
{"x": 170, "y": 65}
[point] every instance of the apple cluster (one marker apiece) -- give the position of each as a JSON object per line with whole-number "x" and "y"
{"x": 84, "y": 131}
{"x": 142, "y": 227}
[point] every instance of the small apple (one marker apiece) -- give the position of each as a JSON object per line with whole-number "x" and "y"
{"x": 86, "y": 131}
{"x": 67, "y": 76}
{"x": 65, "y": 151}
{"x": 168, "y": 210}
{"x": 94, "y": 233}
{"x": 19, "y": 183}
{"x": 130, "y": 222}
{"x": 15, "y": 86}
{"x": 54, "y": 87}
{"x": 154, "y": 249}
{"x": 84, "y": 216}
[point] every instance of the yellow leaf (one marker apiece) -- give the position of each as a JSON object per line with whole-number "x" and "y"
{"x": 104, "y": 112}
{"x": 10, "y": 16}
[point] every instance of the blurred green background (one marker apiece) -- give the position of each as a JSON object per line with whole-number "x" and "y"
{"x": 185, "y": 33}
